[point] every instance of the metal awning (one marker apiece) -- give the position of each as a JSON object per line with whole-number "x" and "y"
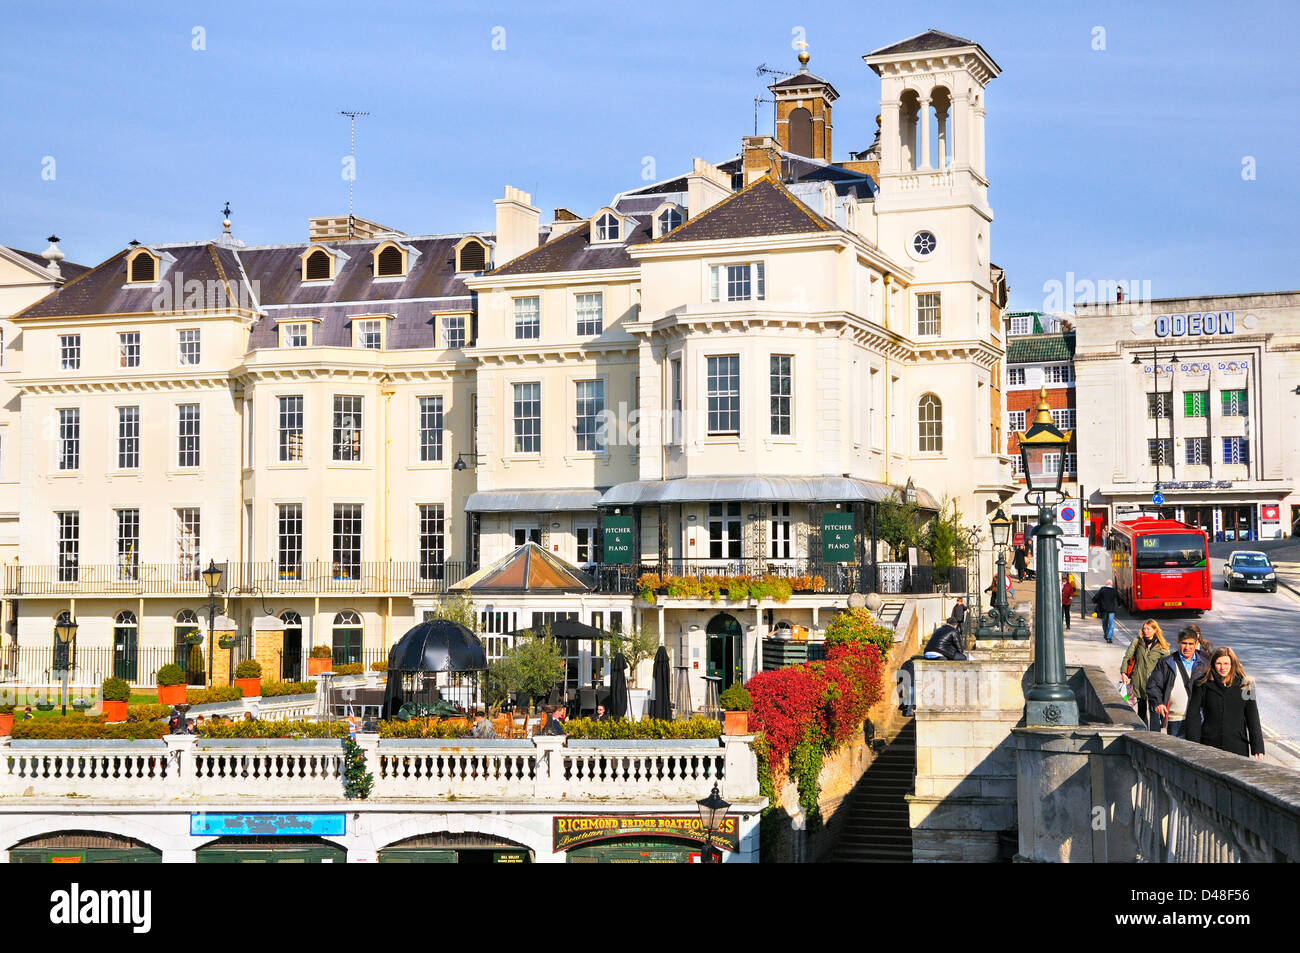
{"x": 532, "y": 501}
{"x": 757, "y": 489}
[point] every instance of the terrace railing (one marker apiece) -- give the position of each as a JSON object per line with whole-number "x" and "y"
{"x": 807, "y": 575}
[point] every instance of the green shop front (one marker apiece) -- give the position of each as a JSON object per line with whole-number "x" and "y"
{"x": 637, "y": 838}
{"x": 269, "y": 838}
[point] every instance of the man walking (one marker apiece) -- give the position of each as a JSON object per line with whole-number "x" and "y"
{"x": 1106, "y": 602}
{"x": 1170, "y": 685}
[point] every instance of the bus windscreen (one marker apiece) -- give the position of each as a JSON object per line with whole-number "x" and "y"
{"x": 1169, "y": 551}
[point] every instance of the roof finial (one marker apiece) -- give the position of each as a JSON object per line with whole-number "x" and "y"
{"x": 225, "y": 218}
{"x": 53, "y": 255}
{"x": 804, "y": 56}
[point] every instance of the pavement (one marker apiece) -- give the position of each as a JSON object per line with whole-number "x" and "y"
{"x": 1262, "y": 628}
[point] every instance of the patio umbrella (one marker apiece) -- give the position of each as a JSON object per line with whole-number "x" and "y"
{"x": 661, "y": 705}
{"x": 618, "y": 688}
{"x": 567, "y": 629}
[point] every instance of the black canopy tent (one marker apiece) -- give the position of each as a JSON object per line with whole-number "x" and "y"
{"x": 438, "y": 659}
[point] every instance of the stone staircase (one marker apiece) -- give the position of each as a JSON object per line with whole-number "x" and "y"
{"x": 877, "y": 829}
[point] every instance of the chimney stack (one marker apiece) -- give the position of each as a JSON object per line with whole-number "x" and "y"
{"x": 761, "y": 156}
{"x": 706, "y": 186}
{"x": 517, "y": 224}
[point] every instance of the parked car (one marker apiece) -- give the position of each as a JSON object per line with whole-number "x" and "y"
{"x": 1244, "y": 569}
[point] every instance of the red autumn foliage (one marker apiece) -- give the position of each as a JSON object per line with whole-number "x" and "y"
{"x": 829, "y": 699}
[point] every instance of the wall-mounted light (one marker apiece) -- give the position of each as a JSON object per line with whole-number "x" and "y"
{"x": 555, "y": 526}
{"x": 692, "y": 517}
{"x": 460, "y": 463}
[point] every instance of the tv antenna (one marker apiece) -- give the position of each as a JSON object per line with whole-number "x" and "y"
{"x": 352, "y": 115}
{"x": 764, "y": 70}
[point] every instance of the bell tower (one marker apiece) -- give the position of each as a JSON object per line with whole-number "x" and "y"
{"x": 803, "y": 112}
{"x": 932, "y": 121}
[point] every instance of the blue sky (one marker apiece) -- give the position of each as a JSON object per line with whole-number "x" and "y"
{"x": 1123, "y": 163}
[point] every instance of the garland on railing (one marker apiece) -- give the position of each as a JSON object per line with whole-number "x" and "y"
{"x": 357, "y": 781}
{"x": 734, "y": 588}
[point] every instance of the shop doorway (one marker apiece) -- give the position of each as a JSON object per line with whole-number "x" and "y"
{"x": 1237, "y": 523}
{"x": 446, "y": 848}
{"x": 1202, "y": 517}
{"x": 270, "y": 850}
{"x": 726, "y": 652}
{"x": 83, "y": 847}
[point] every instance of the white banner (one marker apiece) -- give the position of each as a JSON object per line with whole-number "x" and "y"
{"x": 1073, "y": 554}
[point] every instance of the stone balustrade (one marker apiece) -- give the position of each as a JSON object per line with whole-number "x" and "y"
{"x": 183, "y": 767}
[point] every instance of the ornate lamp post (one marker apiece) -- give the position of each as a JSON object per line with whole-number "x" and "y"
{"x": 212, "y": 579}
{"x": 973, "y": 539}
{"x": 65, "y": 630}
{"x": 713, "y": 809}
{"x": 1050, "y": 702}
{"x": 994, "y": 625}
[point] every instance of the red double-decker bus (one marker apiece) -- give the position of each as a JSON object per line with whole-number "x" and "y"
{"x": 1160, "y": 564}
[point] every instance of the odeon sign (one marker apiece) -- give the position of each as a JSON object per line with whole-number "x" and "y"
{"x": 1205, "y": 324}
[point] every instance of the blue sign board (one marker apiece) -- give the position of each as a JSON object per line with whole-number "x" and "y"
{"x": 263, "y": 825}
{"x": 1158, "y": 499}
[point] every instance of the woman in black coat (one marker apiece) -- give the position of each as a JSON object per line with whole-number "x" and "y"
{"x": 1222, "y": 711}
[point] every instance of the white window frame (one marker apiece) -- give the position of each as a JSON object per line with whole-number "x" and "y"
{"x": 463, "y": 330}
{"x": 585, "y": 324}
{"x": 188, "y": 524}
{"x": 1016, "y": 377}
{"x": 593, "y": 434}
{"x": 285, "y": 446}
{"x": 608, "y": 228}
{"x": 187, "y": 346}
{"x": 342, "y": 572}
{"x": 340, "y": 414}
{"x": 1058, "y": 375}
{"x": 128, "y": 351}
{"x": 1016, "y": 420}
{"x": 733, "y": 396}
{"x": 1063, "y": 418}
{"x": 929, "y": 314}
{"x": 429, "y": 516}
{"x": 724, "y": 285}
{"x": 935, "y": 437}
{"x": 516, "y": 434}
{"x": 67, "y": 448}
{"x": 295, "y": 334}
{"x": 121, "y": 447}
{"x": 433, "y": 422}
{"x": 194, "y": 452}
{"x": 293, "y": 510}
{"x": 787, "y": 396}
{"x": 532, "y": 318}
{"x": 70, "y": 352}
{"x": 365, "y": 330}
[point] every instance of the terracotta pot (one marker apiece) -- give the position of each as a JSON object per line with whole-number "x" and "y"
{"x": 735, "y": 722}
{"x": 171, "y": 694}
{"x": 114, "y": 711}
{"x": 317, "y": 665}
{"x": 251, "y": 687}
{"x": 6, "y": 722}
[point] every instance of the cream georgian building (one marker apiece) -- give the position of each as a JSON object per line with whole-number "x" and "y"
{"x": 711, "y": 373}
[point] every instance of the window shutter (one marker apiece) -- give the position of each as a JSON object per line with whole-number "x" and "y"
{"x": 390, "y": 262}
{"x": 758, "y": 267}
{"x": 142, "y": 268}
{"x": 318, "y": 266}
{"x": 473, "y": 257}
{"x": 713, "y": 282}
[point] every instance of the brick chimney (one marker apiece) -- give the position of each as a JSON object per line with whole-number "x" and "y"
{"x": 761, "y": 156}
{"x": 517, "y": 223}
{"x": 706, "y": 186}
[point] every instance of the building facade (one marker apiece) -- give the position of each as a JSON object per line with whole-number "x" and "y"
{"x": 1195, "y": 397}
{"x": 715, "y": 370}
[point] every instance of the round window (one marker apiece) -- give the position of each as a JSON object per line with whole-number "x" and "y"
{"x": 924, "y": 243}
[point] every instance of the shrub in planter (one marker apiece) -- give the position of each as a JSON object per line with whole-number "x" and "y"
{"x": 321, "y": 659}
{"x": 171, "y": 685}
{"x": 349, "y": 668}
{"x": 736, "y": 702}
{"x": 274, "y": 689}
{"x": 115, "y": 692}
{"x": 218, "y": 693}
{"x": 272, "y": 729}
{"x": 79, "y": 727}
{"x": 6, "y": 719}
{"x": 380, "y": 666}
{"x": 620, "y": 729}
{"x": 248, "y": 677}
{"x": 148, "y": 712}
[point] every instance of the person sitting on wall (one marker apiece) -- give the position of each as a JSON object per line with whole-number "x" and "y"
{"x": 946, "y": 643}
{"x": 554, "y": 722}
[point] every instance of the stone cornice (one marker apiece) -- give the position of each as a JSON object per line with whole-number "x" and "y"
{"x": 117, "y": 385}
{"x": 491, "y": 282}
{"x": 553, "y": 352}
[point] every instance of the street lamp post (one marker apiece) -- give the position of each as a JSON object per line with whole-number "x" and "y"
{"x": 212, "y": 579}
{"x": 65, "y": 630}
{"x": 1050, "y": 702}
{"x": 973, "y": 539}
{"x": 994, "y": 625}
{"x": 713, "y": 809}
{"x": 1155, "y": 384}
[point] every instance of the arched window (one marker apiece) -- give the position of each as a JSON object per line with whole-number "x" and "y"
{"x": 909, "y": 118}
{"x": 347, "y": 638}
{"x": 473, "y": 257}
{"x": 668, "y": 219}
{"x": 929, "y": 424}
{"x": 143, "y": 268}
{"x": 607, "y": 228}
{"x": 126, "y": 645}
{"x": 390, "y": 262}
{"x": 319, "y": 266}
{"x": 800, "y": 131}
{"x": 188, "y": 657}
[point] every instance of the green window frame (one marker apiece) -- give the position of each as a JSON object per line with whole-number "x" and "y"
{"x": 1196, "y": 403}
{"x": 1235, "y": 403}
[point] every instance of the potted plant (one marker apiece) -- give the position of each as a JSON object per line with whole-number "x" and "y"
{"x": 115, "y": 692}
{"x": 194, "y": 638}
{"x": 320, "y": 660}
{"x": 228, "y": 641}
{"x": 171, "y": 685}
{"x": 6, "y": 719}
{"x": 735, "y": 702}
{"x": 248, "y": 676}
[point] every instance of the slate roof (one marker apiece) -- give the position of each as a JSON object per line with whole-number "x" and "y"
{"x": 69, "y": 269}
{"x": 1040, "y": 348}
{"x": 924, "y": 42}
{"x": 804, "y": 78}
{"x": 764, "y": 207}
{"x": 573, "y": 251}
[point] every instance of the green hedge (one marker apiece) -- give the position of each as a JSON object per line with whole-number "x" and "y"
{"x": 272, "y": 689}
{"x": 617, "y": 729}
{"x": 208, "y": 696}
{"x": 426, "y": 728}
{"x": 272, "y": 729}
{"x": 349, "y": 668}
{"x": 81, "y": 727}
{"x": 148, "y": 712}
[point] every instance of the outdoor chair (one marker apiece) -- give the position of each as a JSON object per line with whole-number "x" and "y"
{"x": 586, "y": 701}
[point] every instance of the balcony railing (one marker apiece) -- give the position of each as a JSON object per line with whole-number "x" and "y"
{"x": 173, "y": 579}
{"x": 805, "y": 575}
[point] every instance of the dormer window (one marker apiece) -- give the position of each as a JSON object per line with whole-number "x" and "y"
{"x": 368, "y": 333}
{"x": 390, "y": 262}
{"x": 318, "y": 266}
{"x": 297, "y": 333}
{"x": 608, "y": 228}
{"x": 667, "y": 219}
{"x": 141, "y": 267}
{"x": 472, "y": 256}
